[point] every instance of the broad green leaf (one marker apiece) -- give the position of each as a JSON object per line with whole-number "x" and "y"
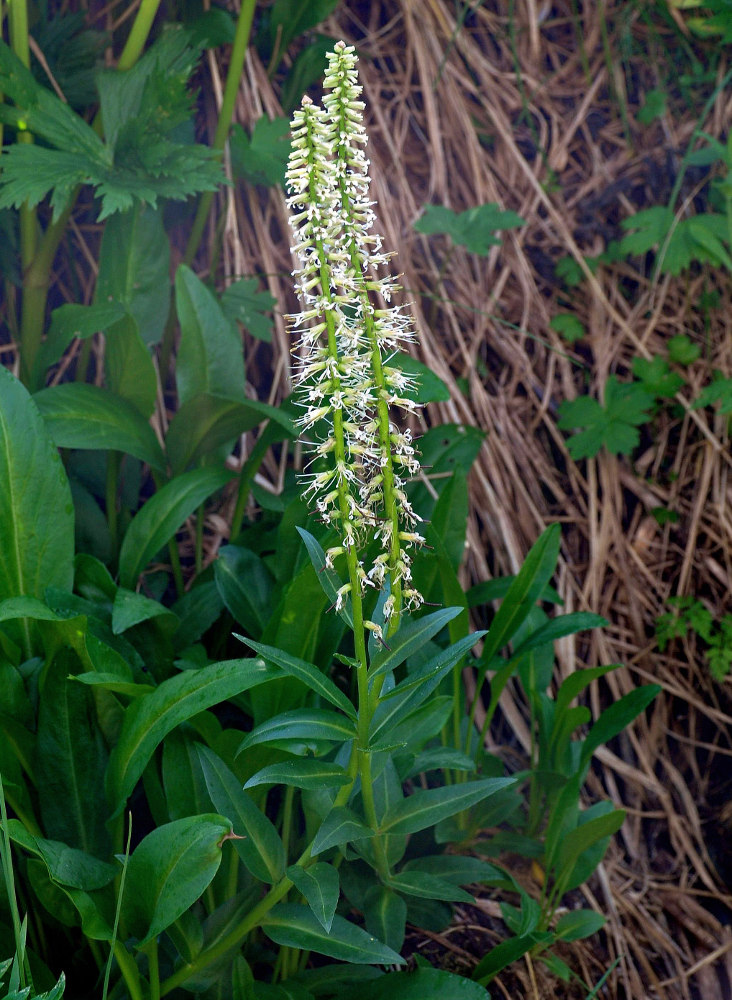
{"x": 260, "y": 847}
{"x": 339, "y": 827}
{"x": 306, "y": 672}
{"x": 130, "y": 608}
{"x": 613, "y": 426}
{"x": 578, "y": 924}
{"x": 428, "y": 886}
{"x": 206, "y": 421}
{"x": 286, "y": 20}
{"x": 321, "y": 887}
{"x": 245, "y": 585}
{"x": 129, "y": 367}
{"x": 425, "y": 808}
{"x": 583, "y": 837}
{"x": 422, "y": 984}
{"x": 72, "y": 320}
{"x": 305, "y": 773}
{"x": 244, "y": 302}
{"x": 175, "y": 700}
{"x": 134, "y": 269}
{"x": 295, "y": 926}
{"x": 161, "y": 516}
{"x": 461, "y": 870}
{"x": 210, "y": 357}
{"x": 411, "y": 637}
{"x": 438, "y": 759}
{"x": 385, "y": 914}
{"x": 169, "y": 870}
{"x": 66, "y": 865}
{"x": 502, "y": 955}
{"x": 85, "y": 416}
{"x": 418, "y": 727}
{"x": 71, "y": 758}
{"x": 301, "y": 724}
{"x": 36, "y": 511}
{"x": 328, "y": 578}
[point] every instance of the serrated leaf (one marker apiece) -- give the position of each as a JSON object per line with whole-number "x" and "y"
{"x": 474, "y": 229}
{"x": 295, "y": 926}
{"x": 613, "y": 426}
{"x": 657, "y": 377}
{"x": 262, "y": 157}
{"x": 682, "y": 350}
{"x": 651, "y": 227}
{"x": 321, "y": 886}
{"x": 568, "y": 326}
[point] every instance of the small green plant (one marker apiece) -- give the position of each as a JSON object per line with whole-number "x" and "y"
{"x": 689, "y": 614}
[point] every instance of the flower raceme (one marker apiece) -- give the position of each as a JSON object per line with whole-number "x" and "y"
{"x": 347, "y": 332}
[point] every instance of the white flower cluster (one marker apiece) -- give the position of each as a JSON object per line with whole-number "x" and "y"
{"x": 345, "y": 331}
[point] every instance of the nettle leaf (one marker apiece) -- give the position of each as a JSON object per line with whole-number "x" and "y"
{"x": 657, "y": 377}
{"x": 613, "y": 426}
{"x": 138, "y": 161}
{"x": 568, "y": 326}
{"x": 682, "y": 350}
{"x": 646, "y": 229}
{"x": 474, "y": 229}
{"x": 720, "y": 391}
{"x": 246, "y": 304}
{"x": 681, "y": 242}
{"x": 262, "y": 157}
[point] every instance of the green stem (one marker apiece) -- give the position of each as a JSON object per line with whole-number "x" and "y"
{"x": 138, "y": 34}
{"x": 231, "y": 88}
{"x": 151, "y": 950}
{"x": 129, "y": 970}
{"x": 7, "y": 866}
{"x": 110, "y": 498}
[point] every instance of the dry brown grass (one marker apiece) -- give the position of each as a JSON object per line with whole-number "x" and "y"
{"x": 434, "y": 90}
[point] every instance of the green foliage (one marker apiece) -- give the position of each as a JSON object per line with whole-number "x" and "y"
{"x": 262, "y": 157}
{"x": 719, "y": 391}
{"x": 568, "y": 326}
{"x": 139, "y": 160}
{"x": 474, "y": 228}
{"x": 688, "y": 614}
{"x": 613, "y": 425}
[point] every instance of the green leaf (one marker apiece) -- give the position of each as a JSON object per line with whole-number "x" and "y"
{"x": 306, "y": 672}
{"x": 720, "y": 391}
{"x": 71, "y": 746}
{"x": 285, "y": 20}
{"x": 682, "y": 350}
{"x": 66, "y": 865}
{"x": 309, "y": 67}
{"x": 134, "y": 269}
{"x": 557, "y": 628}
{"x": 244, "y": 303}
{"x": 613, "y": 426}
{"x": 36, "y": 511}
{"x": 474, "y": 229}
{"x": 657, "y": 377}
{"x": 161, "y": 516}
{"x": 301, "y": 724}
{"x": 262, "y": 157}
{"x": 578, "y": 924}
{"x": 71, "y": 320}
{"x": 385, "y": 914}
{"x": 654, "y": 106}
{"x": 245, "y": 585}
{"x": 412, "y": 635}
{"x": 422, "y": 984}
{"x": 339, "y": 827}
{"x": 502, "y": 955}
{"x": 426, "y": 808}
{"x": 651, "y": 228}
{"x": 260, "y": 847}
{"x": 321, "y": 887}
{"x": 175, "y": 700}
{"x": 616, "y": 718}
{"x": 210, "y": 358}
{"x": 305, "y": 773}
{"x": 129, "y": 367}
{"x": 568, "y": 326}
{"x": 169, "y": 870}
{"x": 295, "y": 926}
{"x": 428, "y": 886}
{"x": 87, "y": 417}
{"x": 206, "y": 421}
{"x": 130, "y": 609}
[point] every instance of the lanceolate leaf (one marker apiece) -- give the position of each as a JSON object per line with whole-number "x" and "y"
{"x": 426, "y": 808}
{"x": 304, "y": 773}
{"x": 169, "y": 870}
{"x": 302, "y": 724}
{"x": 128, "y": 364}
{"x": 260, "y": 847}
{"x": 175, "y": 700}
{"x": 36, "y": 511}
{"x": 293, "y": 925}
{"x": 161, "y": 516}
{"x": 85, "y": 416}
{"x": 410, "y": 638}
{"x": 339, "y": 827}
{"x": 320, "y": 886}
